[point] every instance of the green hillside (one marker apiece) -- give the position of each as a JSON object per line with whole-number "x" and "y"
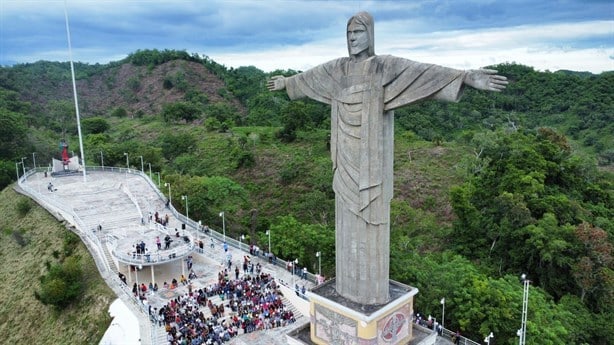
{"x": 30, "y": 239}
{"x": 485, "y": 189}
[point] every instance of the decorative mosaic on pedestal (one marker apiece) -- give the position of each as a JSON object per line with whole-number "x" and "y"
{"x": 336, "y": 320}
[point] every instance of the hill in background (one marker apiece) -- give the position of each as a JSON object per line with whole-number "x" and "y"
{"x": 484, "y": 188}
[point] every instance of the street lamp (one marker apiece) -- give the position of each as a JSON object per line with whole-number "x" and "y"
{"x": 443, "y": 312}
{"x": 17, "y": 170}
{"x": 149, "y": 170}
{"x": 319, "y": 256}
{"x": 223, "y": 224}
{"x": 170, "y": 197}
{"x": 522, "y": 332}
{"x": 157, "y": 172}
{"x": 268, "y": 232}
{"x": 34, "y": 159}
{"x": 23, "y": 165}
{"x": 101, "y": 159}
{"x": 241, "y": 238}
{"x": 295, "y": 263}
{"x": 488, "y": 337}
{"x": 127, "y": 161}
{"x": 142, "y": 168}
{"x": 187, "y": 210}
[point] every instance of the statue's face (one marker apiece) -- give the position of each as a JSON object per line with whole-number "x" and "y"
{"x": 358, "y": 39}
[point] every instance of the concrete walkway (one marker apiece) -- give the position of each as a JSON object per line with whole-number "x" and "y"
{"x": 110, "y": 212}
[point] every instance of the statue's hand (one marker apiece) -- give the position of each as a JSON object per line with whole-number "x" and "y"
{"x": 486, "y": 79}
{"x": 276, "y": 83}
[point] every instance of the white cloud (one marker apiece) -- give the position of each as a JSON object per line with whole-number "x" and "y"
{"x": 545, "y": 47}
{"x": 293, "y": 34}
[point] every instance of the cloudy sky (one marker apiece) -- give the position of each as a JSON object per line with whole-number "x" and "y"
{"x": 292, "y": 34}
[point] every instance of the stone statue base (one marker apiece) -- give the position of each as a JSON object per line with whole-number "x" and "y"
{"x": 337, "y": 320}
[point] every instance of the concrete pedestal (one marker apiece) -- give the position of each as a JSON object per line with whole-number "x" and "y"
{"x": 337, "y": 320}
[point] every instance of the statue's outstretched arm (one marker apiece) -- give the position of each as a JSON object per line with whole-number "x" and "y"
{"x": 276, "y": 83}
{"x": 485, "y": 79}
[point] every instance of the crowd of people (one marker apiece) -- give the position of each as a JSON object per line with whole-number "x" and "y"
{"x": 251, "y": 303}
{"x": 216, "y": 313}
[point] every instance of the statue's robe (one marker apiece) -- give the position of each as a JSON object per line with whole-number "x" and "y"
{"x": 362, "y": 96}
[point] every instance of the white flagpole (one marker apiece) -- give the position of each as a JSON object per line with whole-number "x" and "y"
{"x": 74, "y": 89}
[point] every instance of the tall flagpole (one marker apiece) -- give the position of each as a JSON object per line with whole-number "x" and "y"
{"x": 74, "y": 89}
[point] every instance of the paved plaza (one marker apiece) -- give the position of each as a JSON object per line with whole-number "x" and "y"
{"x": 111, "y": 211}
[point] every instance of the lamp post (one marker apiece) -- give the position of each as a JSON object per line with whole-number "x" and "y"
{"x": 142, "y": 167}
{"x": 319, "y": 256}
{"x": 127, "y": 161}
{"x": 294, "y": 264}
{"x": 17, "y": 170}
{"x": 443, "y": 312}
{"x": 23, "y": 165}
{"x": 157, "y": 172}
{"x": 101, "y": 159}
{"x": 170, "y": 197}
{"x": 268, "y": 232}
{"x": 150, "y": 171}
{"x": 34, "y": 159}
{"x": 223, "y": 224}
{"x": 522, "y": 332}
{"x": 187, "y": 210}
{"x": 488, "y": 337}
{"x": 241, "y": 238}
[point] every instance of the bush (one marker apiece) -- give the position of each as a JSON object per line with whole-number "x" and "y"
{"x": 119, "y": 112}
{"x": 62, "y": 285}
{"x": 95, "y": 125}
{"x": 212, "y": 124}
{"x": 173, "y": 112}
{"x": 23, "y": 207}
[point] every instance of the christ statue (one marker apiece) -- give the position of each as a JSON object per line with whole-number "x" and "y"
{"x": 363, "y": 90}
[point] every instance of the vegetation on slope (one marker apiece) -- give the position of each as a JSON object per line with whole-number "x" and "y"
{"x": 30, "y": 240}
{"x": 485, "y": 189}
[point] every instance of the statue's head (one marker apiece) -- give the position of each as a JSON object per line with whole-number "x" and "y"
{"x": 360, "y": 34}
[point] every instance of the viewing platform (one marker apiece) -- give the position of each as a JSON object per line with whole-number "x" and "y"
{"x": 110, "y": 211}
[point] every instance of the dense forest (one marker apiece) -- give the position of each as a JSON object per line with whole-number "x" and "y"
{"x": 485, "y": 189}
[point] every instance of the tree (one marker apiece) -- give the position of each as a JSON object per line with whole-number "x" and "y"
{"x": 7, "y": 173}
{"x": 174, "y": 144}
{"x": 63, "y": 112}
{"x": 295, "y": 240}
{"x": 63, "y": 284}
{"x": 265, "y": 109}
{"x": 593, "y": 270}
{"x": 94, "y": 125}
{"x": 518, "y": 211}
{"x": 173, "y": 112}
{"x": 13, "y": 138}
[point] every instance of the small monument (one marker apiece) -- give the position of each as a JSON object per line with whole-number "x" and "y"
{"x": 361, "y": 305}
{"x": 66, "y": 165}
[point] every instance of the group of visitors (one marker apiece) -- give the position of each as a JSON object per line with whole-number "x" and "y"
{"x": 216, "y": 313}
{"x": 247, "y": 304}
{"x": 140, "y": 247}
{"x": 162, "y": 221}
{"x": 431, "y": 323}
